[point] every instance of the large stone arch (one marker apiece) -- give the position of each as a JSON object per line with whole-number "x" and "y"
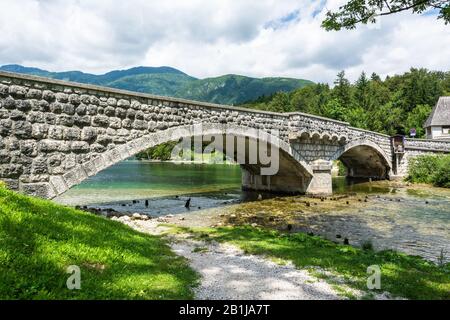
{"x": 292, "y": 165}
{"x": 364, "y": 158}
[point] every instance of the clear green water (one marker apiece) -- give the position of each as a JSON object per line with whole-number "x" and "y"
{"x": 416, "y": 221}
{"x": 134, "y": 179}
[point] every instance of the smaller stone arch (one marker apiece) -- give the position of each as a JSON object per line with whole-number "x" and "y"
{"x": 364, "y": 158}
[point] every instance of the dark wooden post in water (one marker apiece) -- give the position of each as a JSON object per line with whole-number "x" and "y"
{"x": 188, "y": 203}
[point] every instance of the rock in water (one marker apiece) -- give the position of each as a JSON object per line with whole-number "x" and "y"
{"x": 188, "y": 203}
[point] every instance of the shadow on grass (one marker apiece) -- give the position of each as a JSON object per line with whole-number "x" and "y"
{"x": 39, "y": 240}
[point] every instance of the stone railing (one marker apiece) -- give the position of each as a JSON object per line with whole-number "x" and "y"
{"x": 427, "y": 145}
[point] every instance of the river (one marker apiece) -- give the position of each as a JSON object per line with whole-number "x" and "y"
{"x": 412, "y": 220}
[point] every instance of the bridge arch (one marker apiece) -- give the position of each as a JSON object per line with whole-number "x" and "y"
{"x": 364, "y": 159}
{"x": 293, "y": 169}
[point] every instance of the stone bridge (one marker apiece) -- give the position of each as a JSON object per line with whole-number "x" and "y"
{"x": 55, "y": 134}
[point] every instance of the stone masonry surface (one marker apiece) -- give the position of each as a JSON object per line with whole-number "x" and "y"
{"x": 54, "y": 134}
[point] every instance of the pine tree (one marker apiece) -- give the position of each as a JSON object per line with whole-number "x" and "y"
{"x": 362, "y": 91}
{"x": 342, "y": 90}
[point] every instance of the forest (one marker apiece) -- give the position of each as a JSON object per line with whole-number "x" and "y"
{"x": 391, "y": 106}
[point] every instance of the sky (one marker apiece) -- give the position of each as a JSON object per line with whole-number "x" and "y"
{"x": 260, "y": 38}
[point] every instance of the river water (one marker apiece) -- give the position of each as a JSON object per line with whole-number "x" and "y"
{"x": 415, "y": 221}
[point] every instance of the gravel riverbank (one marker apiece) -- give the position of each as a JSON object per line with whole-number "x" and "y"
{"x": 227, "y": 273}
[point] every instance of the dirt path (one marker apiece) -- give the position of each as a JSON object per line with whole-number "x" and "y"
{"x": 227, "y": 273}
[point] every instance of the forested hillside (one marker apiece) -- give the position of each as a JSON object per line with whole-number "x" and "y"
{"x": 166, "y": 81}
{"x": 235, "y": 89}
{"x": 393, "y": 105}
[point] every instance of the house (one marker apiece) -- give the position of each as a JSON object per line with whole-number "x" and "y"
{"x": 437, "y": 125}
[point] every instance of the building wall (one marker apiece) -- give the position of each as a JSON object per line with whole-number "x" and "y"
{"x": 436, "y": 132}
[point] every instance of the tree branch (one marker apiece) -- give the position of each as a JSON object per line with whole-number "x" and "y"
{"x": 393, "y": 11}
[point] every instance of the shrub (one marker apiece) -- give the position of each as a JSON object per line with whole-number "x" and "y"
{"x": 433, "y": 169}
{"x": 441, "y": 177}
{"x": 342, "y": 169}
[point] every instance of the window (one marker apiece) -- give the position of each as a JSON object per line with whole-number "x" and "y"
{"x": 446, "y": 130}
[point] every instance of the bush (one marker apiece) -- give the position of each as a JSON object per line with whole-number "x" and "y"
{"x": 430, "y": 169}
{"x": 342, "y": 169}
{"x": 441, "y": 177}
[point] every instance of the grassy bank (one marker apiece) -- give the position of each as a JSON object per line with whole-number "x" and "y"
{"x": 40, "y": 239}
{"x": 402, "y": 275}
{"x": 431, "y": 169}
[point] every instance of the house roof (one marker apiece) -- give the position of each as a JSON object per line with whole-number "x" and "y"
{"x": 440, "y": 115}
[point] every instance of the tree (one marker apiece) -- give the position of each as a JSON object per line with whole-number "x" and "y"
{"x": 334, "y": 110}
{"x": 362, "y": 91}
{"x": 418, "y": 86}
{"x": 342, "y": 89}
{"x": 280, "y": 103}
{"x": 375, "y": 77}
{"x": 367, "y": 11}
{"x": 311, "y": 99}
{"x": 358, "y": 117}
{"x": 391, "y": 106}
{"x": 416, "y": 119}
{"x": 387, "y": 119}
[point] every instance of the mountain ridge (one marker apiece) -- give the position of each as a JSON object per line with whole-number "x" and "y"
{"x": 229, "y": 89}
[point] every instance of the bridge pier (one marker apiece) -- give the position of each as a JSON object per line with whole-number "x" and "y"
{"x": 321, "y": 183}
{"x": 279, "y": 183}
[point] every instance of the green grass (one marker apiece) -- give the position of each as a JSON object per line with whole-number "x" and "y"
{"x": 402, "y": 275}
{"x": 40, "y": 239}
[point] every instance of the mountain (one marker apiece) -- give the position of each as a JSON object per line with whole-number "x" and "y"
{"x": 228, "y": 89}
{"x": 234, "y": 89}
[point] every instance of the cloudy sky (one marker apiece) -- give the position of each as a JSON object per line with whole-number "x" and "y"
{"x": 213, "y": 37}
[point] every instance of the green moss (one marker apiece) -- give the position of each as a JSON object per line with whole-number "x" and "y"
{"x": 40, "y": 239}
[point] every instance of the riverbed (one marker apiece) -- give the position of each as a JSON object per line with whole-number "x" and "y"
{"x": 414, "y": 220}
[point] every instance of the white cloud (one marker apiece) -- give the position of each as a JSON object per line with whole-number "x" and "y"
{"x": 209, "y": 38}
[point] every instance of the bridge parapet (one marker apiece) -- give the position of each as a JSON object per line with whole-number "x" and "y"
{"x": 111, "y": 102}
{"x": 428, "y": 145}
{"x": 301, "y": 124}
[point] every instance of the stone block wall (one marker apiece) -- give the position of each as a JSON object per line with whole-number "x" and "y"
{"x": 54, "y": 134}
